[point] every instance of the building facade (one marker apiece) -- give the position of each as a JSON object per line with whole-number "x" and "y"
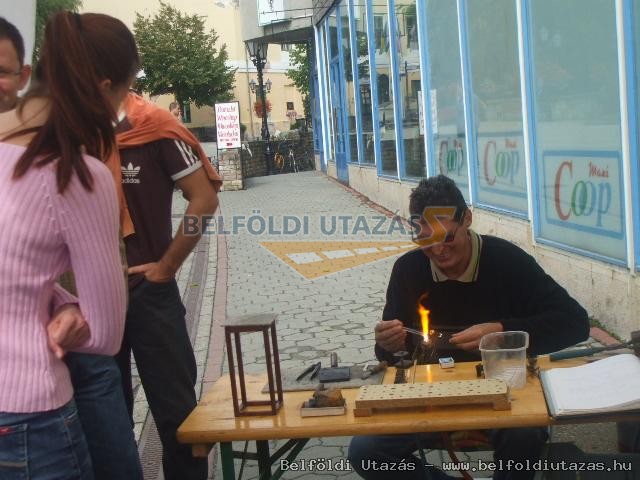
{"x": 531, "y": 107}
{"x": 224, "y": 16}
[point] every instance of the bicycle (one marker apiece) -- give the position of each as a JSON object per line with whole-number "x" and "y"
{"x": 287, "y": 162}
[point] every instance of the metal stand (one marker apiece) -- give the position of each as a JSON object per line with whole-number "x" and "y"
{"x": 233, "y": 327}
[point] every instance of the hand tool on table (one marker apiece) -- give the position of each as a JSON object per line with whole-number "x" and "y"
{"x": 313, "y": 369}
{"x": 585, "y": 352}
{"x": 367, "y": 372}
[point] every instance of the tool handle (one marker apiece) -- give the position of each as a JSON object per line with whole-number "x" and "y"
{"x": 333, "y": 359}
{"x": 580, "y": 352}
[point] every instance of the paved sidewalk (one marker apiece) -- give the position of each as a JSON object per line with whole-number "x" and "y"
{"x": 328, "y": 310}
{"x": 333, "y": 313}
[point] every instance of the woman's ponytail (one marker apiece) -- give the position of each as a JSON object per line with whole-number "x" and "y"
{"x": 78, "y": 53}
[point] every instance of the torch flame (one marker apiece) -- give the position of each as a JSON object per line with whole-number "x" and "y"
{"x": 424, "y": 320}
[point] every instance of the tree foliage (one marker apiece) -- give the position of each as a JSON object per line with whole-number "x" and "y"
{"x": 299, "y": 73}
{"x": 179, "y": 57}
{"x": 44, "y": 9}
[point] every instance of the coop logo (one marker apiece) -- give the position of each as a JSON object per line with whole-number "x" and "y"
{"x": 502, "y": 164}
{"x": 590, "y": 198}
{"x": 451, "y": 159}
{"x": 130, "y": 174}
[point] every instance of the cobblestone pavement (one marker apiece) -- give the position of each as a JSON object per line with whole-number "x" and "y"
{"x": 332, "y": 313}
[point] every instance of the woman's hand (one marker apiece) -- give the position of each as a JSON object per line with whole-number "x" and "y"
{"x": 67, "y": 330}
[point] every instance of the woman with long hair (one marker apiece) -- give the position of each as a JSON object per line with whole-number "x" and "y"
{"x": 59, "y": 211}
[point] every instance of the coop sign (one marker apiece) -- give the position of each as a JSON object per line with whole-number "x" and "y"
{"x": 228, "y": 125}
{"x": 452, "y": 160}
{"x": 586, "y": 191}
{"x": 501, "y": 171}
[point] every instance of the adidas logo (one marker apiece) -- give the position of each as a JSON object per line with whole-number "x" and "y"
{"x": 129, "y": 174}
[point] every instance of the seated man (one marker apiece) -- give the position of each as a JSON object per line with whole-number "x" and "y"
{"x": 475, "y": 284}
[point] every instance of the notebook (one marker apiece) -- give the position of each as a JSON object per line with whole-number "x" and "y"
{"x": 608, "y": 385}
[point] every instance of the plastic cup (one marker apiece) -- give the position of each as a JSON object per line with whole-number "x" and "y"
{"x": 504, "y": 356}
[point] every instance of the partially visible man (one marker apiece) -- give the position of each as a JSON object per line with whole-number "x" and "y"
{"x": 95, "y": 378}
{"x": 473, "y": 284}
{"x": 174, "y": 109}
{"x": 157, "y": 153}
{"x": 14, "y": 74}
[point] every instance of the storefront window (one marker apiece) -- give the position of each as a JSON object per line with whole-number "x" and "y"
{"x": 410, "y": 87}
{"x": 636, "y": 31}
{"x": 333, "y": 34}
{"x": 496, "y": 104}
{"x": 327, "y": 89}
{"x": 447, "y": 109}
{"x": 577, "y": 120}
{"x": 386, "y": 118}
{"x": 350, "y": 99}
{"x": 364, "y": 84}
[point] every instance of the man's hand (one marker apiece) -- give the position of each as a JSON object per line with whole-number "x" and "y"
{"x": 469, "y": 338}
{"x": 67, "y": 330}
{"x": 390, "y": 335}
{"x": 156, "y": 272}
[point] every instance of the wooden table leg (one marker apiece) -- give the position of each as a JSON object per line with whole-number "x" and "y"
{"x": 226, "y": 456}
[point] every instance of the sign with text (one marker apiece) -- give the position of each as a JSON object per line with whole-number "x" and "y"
{"x": 583, "y": 200}
{"x": 452, "y": 160}
{"x": 270, "y": 11}
{"x": 228, "y": 125}
{"x": 502, "y": 179}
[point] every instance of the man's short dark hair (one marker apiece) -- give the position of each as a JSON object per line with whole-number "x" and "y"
{"x": 173, "y": 105}
{"x": 438, "y": 191}
{"x": 9, "y": 31}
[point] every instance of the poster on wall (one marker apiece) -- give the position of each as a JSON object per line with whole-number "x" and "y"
{"x": 270, "y": 11}
{"x": 433, "y": 96}
{"x": 452, "y": 160}
{"x": 502, "y": 179}
{"x": 228, "y": 125}
{"x": 583, "y": 204}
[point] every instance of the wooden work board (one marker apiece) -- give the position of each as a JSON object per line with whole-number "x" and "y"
{"x": 455, "y": 392}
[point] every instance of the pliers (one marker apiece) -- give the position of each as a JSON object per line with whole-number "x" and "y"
{"x": 312, "y": 369}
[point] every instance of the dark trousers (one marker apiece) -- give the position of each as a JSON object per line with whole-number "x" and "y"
{"x": 368, "y": 453}
{"x": 156, "y": 333}
{"x": 103, "y": 414}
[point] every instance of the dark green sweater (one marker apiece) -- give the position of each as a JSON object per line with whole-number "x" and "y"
{"x": 510, "y": 288}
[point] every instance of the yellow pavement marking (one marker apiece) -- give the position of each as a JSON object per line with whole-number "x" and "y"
{"x": 316, "y": 259}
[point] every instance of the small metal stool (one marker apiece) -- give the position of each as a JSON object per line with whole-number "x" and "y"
{"x": 265, "y": 323}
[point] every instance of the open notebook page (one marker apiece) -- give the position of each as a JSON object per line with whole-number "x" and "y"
{"x": 606, "y": 385}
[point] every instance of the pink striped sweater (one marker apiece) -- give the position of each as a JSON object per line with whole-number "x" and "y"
{"x": 42, "y": 235}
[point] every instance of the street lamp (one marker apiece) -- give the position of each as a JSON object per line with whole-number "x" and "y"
{"x": 254, "y": 86}
{"x": 258, "y": 54}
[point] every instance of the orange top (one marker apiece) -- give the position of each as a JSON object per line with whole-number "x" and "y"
{"x": 151, "y": 123}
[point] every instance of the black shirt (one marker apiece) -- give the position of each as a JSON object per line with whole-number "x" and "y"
{"x": 149, "y": 173}
{"x": 510, "y": 288}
